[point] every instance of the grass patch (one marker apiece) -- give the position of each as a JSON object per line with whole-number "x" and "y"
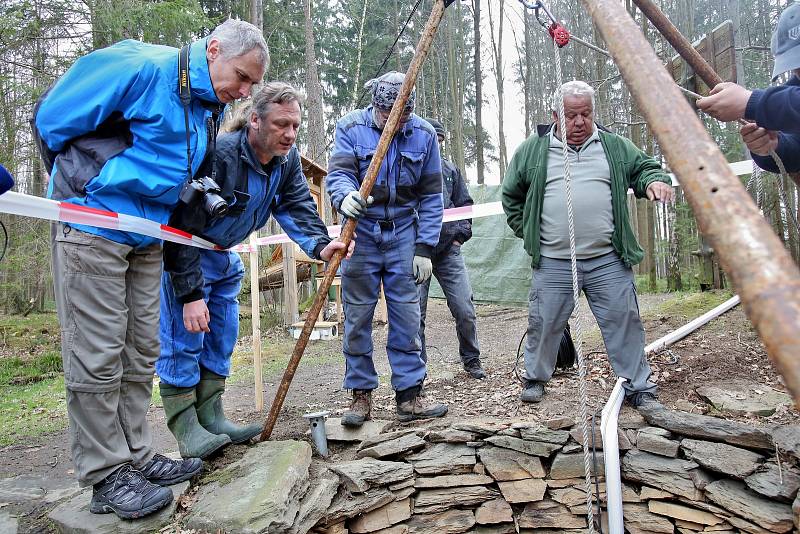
{"x": 31, "y": 410}
{"x": 690, "y": 305}
{"x": 36, "y": 333}
{"x": 275, "y": 354}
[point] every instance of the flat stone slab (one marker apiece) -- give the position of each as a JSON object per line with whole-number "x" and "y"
{"x": 573, "y": 466}
{"x": 451, "y": 435}
{"x": 73, "y": 516}
{"x": 519, "y": 491}
{"x": 374, "y": 440}
{"x": 787, "y": 439}
{"x": 346, "y": 505}
{"x": 559, "y": 437}
{"x": 742, "y": 397}
{"x": 336, "y": 432}
{"x": 493, "y": 512}
{"x": 360, "y": 475}
{"x": 549, "y": 514}
{"x": 676, "y": 476}
{"x": 623, "y": 443}
{"x": 506, "y": 464}
{"x": 393, "y": 447}
{"x": 640, "y": 520}
{"x": 657, "y": 442}
{"x": 26, "y": 488}
{"x": 707, "y": 427}
{"x": 261, "y": 492}
{"x": 441, "y": 499}
{"x": 451, "y": 481}
{"x": 444, "y": 458}
{"x": 771, "y": 482}
{"x": 447, "y": 522}
{"x": 734, "y": 496}
{"x": 682, "y": 512}
{"x": 534, "y": 448}
{"x": 383, "y": 517}
{"x": 9, "y": 524}
{"x": 722, "y": 458}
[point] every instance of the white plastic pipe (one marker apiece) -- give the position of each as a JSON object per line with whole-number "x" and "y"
{"x": 610, "y": 414}
{"x": 608, "y": 431}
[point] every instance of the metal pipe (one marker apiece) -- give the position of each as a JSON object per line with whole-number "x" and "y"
{"x": 765, "y": 276}
{"x": 318, "y": 434}
{"x": 608, "y": 431}
{"x": 679, "y": 42}
{"x": 349, "y": 228}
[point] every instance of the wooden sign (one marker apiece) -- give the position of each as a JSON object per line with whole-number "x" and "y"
{"x": 717, "y": 49}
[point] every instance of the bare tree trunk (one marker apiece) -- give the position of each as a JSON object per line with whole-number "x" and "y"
{"x": 497, "y": 52}
{"x": 476, "y": 28}
{"x": 257, "y": 14}
{"x": 359, "y": 49}
{"x": 316, "y": 111}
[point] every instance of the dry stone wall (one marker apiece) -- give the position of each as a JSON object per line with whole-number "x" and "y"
{"x": 681, "y": 473}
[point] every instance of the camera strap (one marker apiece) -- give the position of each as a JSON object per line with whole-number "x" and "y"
{"x": 212, "y": 123}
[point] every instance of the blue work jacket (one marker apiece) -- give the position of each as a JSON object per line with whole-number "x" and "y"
{"x": 409, "y": 183}
{"x": 253, "y": 192}
{"x": 138, "y": 164}
{"x": 778, "y": 109}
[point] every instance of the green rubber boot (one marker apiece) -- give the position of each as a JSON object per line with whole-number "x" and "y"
{"x": 210, "y": 412}
{"x": 194, "y": 441}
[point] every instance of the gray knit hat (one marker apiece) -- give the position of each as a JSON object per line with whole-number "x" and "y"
{"x": 437, "y": 126}
{"x": 386, "y": 88}
{"x": 785, "y": 41}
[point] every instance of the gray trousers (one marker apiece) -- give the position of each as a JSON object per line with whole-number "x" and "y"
{"x": 451, "y": 273}
{"x": 107, "y": 301}
{"x": 609, "y": 287}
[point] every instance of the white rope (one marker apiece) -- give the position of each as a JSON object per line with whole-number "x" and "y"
{"x": 578, "y": 330}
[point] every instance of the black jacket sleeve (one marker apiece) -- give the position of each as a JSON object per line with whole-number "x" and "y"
{"x": 461, "y": 197}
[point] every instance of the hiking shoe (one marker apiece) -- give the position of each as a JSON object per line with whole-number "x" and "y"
{"x": 642, "y": 399}
{"x": 533, "y": 392}
{"x": 419, "y": 408}
{"x": 127, "y": 493}
{"x": 475, "y": 370}
{"x": 360, "y": 408}
{"x": 166, "y": 472}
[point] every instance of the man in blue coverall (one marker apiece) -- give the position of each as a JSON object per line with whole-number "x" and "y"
{"x": 775, "y": 111}
{"x": 398, "y": 227}
{"x": 118, "y": 124}
{"x": 449, "y": 269}
{"x": 259, "y": 173}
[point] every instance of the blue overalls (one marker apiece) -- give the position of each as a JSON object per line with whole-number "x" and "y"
{"x": 281, "y": 191}
{"x": 403, "y": 221}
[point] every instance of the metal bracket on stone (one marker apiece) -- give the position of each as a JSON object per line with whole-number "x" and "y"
{"x": 317, "y": 422}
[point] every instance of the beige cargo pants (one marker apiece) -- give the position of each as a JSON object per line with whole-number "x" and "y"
{"x": 107, "y": 300}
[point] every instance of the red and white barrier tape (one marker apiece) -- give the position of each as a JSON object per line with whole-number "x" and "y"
{"x": 52, "y": 210}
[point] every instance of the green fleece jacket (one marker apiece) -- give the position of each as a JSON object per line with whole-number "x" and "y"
{"x": 524, "y": 183}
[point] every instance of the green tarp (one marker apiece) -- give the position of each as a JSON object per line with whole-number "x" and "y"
{"x": 498, "y": 267}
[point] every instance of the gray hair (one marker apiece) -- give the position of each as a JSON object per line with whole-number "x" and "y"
{"x": 237, "y": 37}
{"x": 573, "y": 88}
{"x": 260, "y": 103}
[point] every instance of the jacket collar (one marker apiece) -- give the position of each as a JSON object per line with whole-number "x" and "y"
{"x": 406, "y": 130}
{"x": 249, "y": 156}
{"x": 199, "y": 75}
{"x": 544, "y": 129}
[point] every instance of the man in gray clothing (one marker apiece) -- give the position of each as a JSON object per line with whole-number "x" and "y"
{"x": 602, "y": 167}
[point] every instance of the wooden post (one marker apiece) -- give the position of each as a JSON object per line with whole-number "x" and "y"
{"x": 255, "y": 315}
{"x": 290, "y": 307}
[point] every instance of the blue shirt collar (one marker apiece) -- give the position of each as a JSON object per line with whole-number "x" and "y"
{"x": 199, "y": 75}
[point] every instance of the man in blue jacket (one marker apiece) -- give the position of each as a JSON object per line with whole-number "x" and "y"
{"x": 127, "y": 139}
{"x": 259, "y": 174}
{"x": 398, "y": 227}
{"x": 775, "y": 111}
{"x": 450, "y": 271}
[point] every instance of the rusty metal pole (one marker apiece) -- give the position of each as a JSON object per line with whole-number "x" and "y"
{"x": 679, "y": 42}
{"x": 349, "y": 228}
{"x": 761, "y": 270}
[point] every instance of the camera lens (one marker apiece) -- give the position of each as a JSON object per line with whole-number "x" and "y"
{"x": 215, "y": 205}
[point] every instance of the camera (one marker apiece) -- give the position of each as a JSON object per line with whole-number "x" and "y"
{"x": 207, "y": 190}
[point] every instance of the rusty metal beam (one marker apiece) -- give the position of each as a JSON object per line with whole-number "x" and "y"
{"x": 763, "y": 273}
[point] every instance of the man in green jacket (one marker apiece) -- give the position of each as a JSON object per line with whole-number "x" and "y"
{"x": 602, "y": 168}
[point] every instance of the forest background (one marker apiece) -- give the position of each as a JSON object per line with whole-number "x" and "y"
{"x": 489, "y": 79}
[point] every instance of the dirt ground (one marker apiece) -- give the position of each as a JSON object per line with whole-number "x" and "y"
{"x": 726, "y": 348}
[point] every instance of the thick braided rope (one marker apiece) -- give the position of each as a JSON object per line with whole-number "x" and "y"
{"x": 575, "y": 294}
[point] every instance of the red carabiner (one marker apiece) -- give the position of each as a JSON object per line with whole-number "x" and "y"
{"x": 559, "y": 34}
